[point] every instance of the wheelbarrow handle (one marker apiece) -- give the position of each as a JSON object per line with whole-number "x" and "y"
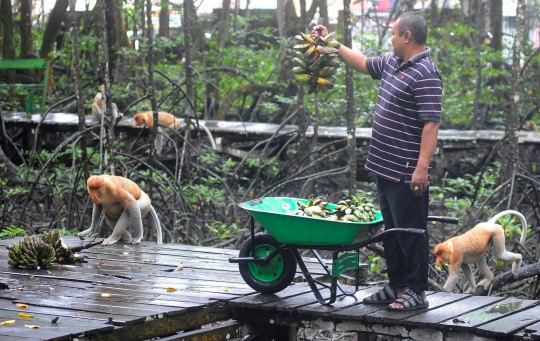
{"x": 443, "y": 219}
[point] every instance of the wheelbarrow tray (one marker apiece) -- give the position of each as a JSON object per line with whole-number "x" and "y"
{"x": 275, "y": 215}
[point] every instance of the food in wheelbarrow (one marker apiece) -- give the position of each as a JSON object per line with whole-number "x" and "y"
{"x": 356, "y": 209}
{"x": 315, "y": 207}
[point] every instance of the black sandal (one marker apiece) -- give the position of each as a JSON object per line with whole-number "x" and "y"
{"x": 410, "y": 301}
{"x": 384, "y": 296}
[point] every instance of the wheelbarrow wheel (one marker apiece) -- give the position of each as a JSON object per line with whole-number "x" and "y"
{"x": 272, "y": 277}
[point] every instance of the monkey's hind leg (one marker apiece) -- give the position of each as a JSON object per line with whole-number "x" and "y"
{"x": 112, "y": 222}
{"x": 119, "y": 228}
{"x": 484, "y": 269}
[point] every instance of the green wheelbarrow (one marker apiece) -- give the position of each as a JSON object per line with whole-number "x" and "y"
{"x": 268, "y": 260}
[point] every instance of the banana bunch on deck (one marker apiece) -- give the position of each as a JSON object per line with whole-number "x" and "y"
{"x": 315, "y": 207}
{"x": 31, "y": 253}
{"x": 41, "y": 251}
{"x": 317, "y": 62}
{"x": 355, "y": 209}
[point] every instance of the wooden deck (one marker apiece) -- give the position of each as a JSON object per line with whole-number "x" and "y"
{"x": 131, "y": 292}
{"x": 243, "y": 131}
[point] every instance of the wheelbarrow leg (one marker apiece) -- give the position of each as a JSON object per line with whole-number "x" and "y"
{"x": 312, "y": 283}
{"x": 335, "y": 255}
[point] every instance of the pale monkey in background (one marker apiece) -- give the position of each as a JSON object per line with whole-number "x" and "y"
{"x": 169, "y": 121}
{"x": 124, "y": 203}
{"x": 99, "y": 106}
{"x": 470, "y": 247}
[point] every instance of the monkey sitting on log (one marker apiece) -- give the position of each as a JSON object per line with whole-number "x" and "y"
{"x": 124, "y": 203}
{"x": 169, "y": 121}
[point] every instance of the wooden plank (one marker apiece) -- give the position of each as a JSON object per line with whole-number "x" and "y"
{"x": 487, "y": 314}
{"x": 510, "y": 323}
{"x": 17, "y": 338}
{"x": 82, "y": 305}
{"x": 292, "y": 303}
{"x": 117, "y": 319}
{"x": 158, "y": 292}
{"x": 121, "y": 296}
{"x": 38, "y": 318}
{"x": 225, "y": 331}
{"x": 342, "y": 302}
{"x": 255, "y": 301}
{"x": 126, "y": 295}
{"x": 450, "y": 311}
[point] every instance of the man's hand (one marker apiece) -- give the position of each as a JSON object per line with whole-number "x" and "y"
{"x": 419, "y": 181}
{"x": 315, "y": 31}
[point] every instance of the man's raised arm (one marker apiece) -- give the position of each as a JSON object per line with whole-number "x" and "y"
{"x": 354, "y": 59}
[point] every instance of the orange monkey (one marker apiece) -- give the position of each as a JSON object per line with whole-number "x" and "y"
{"x": 470, "y": 247}
{"x": 123, "y": 202}
{"x": 170, "y": 123}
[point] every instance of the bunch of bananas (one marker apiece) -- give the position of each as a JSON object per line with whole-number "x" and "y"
{"x": 317, "y": 62}
{"x": 315, "y": 207}
{"x": 62, "y": 251}
{"x": 31, "y": 253}
{"x": 355, "y": 209}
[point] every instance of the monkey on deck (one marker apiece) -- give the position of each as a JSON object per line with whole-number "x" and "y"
{"x": 99, "y": 106}
{"x": 124, "y": 203}
{"x": 470, "y": 247}
{"x": 170, "y": 122}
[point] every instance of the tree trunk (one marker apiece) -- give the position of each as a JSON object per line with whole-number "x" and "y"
{"x": 164, "y": 19}
{"x": 8, "y": 49}
{"x": 323, "y": 11}
{"x": 480, "y": 18}
{"x": 224, "y": 22}
{"x": 496, "y": 24}
{"x": 512, "y": 121}
{"x": 76, "y": 72}
{"x": 106, "y": 120}
{"x": 163, "y": 27}
{"x": 26, "y": 29}
{"x": 56, "y": 17}
{"x": 150, "y": 60}
{"x": 349, "y": 91}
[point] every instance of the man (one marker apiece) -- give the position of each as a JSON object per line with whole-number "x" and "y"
{"x": 403, "y": 141}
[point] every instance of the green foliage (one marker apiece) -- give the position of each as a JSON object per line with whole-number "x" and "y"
{"x": 224, "y": 231}
{"x": 12, "y": 231}
{"x": 373, "y": 265}
{"x": 453, "y": 197}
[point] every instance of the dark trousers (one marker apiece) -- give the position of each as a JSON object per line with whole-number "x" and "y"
{"x": 407, "y": 255}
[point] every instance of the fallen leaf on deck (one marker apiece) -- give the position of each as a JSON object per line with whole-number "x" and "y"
{"x": 32, "y": 326}
{"x": 224, "y": 289}
{"x": 180, "y": 267}
{"x": 6, "y": 323}
{"x": 79, "y": 314}
{"x": 28, "y": 316}
{"x": 171, "y": 289}
{"x": 105, "y": 294}
{"x": 22, "y": 305}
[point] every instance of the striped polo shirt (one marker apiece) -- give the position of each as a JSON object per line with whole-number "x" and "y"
{"x": 409, "y": 95}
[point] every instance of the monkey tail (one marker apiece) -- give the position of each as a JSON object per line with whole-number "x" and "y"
{"x": 496, "y": 217}
{"x": 158, "y": 225}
